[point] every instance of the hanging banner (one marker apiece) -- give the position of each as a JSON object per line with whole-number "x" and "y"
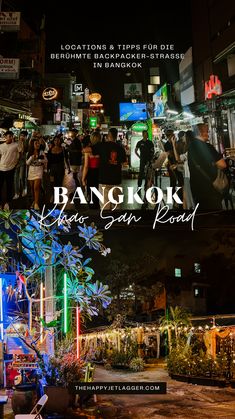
{"x": 9, "y": 68}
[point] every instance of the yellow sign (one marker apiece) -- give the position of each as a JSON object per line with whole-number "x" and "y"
{"x": 24, "y": 116}
{"x": 49, "y": 93}
{"x": 94, "y": 97}
{"x": 18, "y": 124}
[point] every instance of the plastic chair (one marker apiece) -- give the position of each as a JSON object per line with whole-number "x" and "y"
{"x": 34, "y": 414}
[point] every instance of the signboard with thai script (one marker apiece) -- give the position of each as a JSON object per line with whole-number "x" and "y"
{"x": 9, "y": 68}
{"x": 9, "y": 21}
{"x": 213, "y": 87}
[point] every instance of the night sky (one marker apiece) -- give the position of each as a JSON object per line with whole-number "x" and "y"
{"x": 121, "y": 22}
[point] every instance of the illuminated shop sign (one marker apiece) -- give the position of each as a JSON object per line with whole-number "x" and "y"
{"x": 213, "y": 87}
{"x": 77, "y": 88}
{"x": 24, "y": 116}
{"x": 94, "y": 97}
{"x": 49, "y": 93}
{"x": 139, "y": 127}
{"x": 93, "y": 121}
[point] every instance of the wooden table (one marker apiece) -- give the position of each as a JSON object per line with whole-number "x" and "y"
{"x": 3, "y": 400}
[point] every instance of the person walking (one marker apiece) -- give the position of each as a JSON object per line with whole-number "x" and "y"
{"x": 56, "y": 162}
{"x": 204, "y": 162}
{"x": 145, "y": 151}
{"x": 112, "y": 156}
{"x": 75, "y": 156}
{"x": 9, "y": 157}
{"x": 181, "y": 156}
{"x": 36, "y": 161}
{"x": 20, "y": 176}
{"x": 90, "y": 173}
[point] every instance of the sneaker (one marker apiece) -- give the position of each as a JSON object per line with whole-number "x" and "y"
{"x": 32, "y": 205}
{"x": 36, "y": 207}
{"x": 24, "y": 193}
{"x": 16, "y": 196}
{"x": 6, "y": 207}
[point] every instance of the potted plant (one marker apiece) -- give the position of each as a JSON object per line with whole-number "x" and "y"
{"x": 58, "y": 373}
{"x": 119, "y": 359}
{"x": 137, "y": 364}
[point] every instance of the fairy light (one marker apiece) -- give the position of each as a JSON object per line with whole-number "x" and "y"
{"x": 41, "y": 311}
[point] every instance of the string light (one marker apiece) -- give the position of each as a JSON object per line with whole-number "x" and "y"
{"x": 41, "y": 311}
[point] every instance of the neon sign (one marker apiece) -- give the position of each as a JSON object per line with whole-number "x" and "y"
{"x": 213, "y": 87}
{"x": 49, "y": 93}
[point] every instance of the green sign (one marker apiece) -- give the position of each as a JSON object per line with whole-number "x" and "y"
{"x": 93, "y": 121}
{"x": 139, "y": 126}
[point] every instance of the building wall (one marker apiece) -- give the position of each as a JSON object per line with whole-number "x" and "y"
{"x": 213, "y": 28}
{"x": 28, "y": 44}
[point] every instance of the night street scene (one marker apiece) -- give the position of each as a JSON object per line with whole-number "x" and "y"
{"x": 117, "y": 194}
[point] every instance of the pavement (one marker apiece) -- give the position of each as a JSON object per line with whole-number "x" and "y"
{"x": 182, "y": 401}
{"x": 68, "y": 182}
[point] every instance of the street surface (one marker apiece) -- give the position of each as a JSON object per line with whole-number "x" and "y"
{"x": 182, "y": 401}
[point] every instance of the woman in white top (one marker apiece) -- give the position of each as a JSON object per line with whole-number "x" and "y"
{"x": 36, "y": 160}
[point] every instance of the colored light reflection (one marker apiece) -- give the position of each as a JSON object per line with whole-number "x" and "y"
{"x": 78, "y": 331}
{"x": 1, "y": 311}
{"x": 65, "y": 305}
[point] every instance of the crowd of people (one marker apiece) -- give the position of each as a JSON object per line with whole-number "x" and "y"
{"x": 93, "y": 161}
{"x": 32, "y": 166}
{"x": 194, "y": 166}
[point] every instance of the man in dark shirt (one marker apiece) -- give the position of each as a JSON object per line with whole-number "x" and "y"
{"x": 144, "y": 150}
{"x": 112, "y": 156}
{"x": 203, "y": 161}
{"x": 75, "y": 156}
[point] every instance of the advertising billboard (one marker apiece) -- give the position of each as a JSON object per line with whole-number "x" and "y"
{"x": 186, "y": 79}
{"x": 9, "y": 68}
{"x": 160, "y": 99}
{"x": 132, "y": 111}
{"x": 9, "y": 21}
{"x": 132, "y": 90}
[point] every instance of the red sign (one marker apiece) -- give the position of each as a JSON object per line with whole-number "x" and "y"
{"x": 213, "y": 87}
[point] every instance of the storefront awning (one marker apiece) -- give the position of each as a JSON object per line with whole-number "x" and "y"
{"x": 10, "y": 106}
